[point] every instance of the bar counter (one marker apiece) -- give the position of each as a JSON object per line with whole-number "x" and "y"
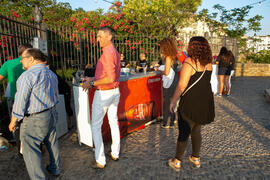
{"x": 139, "y": 105}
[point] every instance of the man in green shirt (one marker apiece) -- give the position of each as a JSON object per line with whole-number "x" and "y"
{"x": 11, "y": 70}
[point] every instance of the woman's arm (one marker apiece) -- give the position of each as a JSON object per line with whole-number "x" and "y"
{"x": 168, "y": 65}
{"x": 217, "y": 60}
{"x": 185, "y": 74}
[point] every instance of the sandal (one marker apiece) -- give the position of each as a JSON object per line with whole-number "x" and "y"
{"x": 195, "y": 161}
{"x": 164, "y": 126}
{"x": 175, "y": 165}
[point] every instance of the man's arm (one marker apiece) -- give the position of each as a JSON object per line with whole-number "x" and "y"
{"x": 138, "y": 65}
{"x": 13, "y": 124}
{"x": 1, "y": 77}
{"x": 3, "y": 71}
{"x": 102, "y": 81}
{"x": 22, "y": 96}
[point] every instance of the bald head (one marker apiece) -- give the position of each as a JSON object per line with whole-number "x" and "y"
{"x": 32, "y": 56}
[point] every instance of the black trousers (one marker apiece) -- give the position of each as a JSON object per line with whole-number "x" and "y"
{"x": 188, "y": 128}
{"x": 168, "y": 117}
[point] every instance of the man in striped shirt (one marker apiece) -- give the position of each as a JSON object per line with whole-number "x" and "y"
{"x": 11, "y": 70}
{"x": 36, "y": 97}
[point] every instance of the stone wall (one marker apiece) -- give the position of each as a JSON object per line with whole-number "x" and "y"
{"x": 252, "y": 69}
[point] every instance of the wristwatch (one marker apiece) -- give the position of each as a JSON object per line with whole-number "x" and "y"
{"x": 91, "y": 84}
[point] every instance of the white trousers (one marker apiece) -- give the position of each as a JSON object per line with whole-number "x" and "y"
{"x": 105, "y": 101}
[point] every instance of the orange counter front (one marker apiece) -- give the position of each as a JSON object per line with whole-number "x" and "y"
{"x": 140, "y": 103}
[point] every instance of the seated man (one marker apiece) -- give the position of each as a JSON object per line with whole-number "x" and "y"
{"x": 123, "y": 62}
{"x": 142, "y": 63}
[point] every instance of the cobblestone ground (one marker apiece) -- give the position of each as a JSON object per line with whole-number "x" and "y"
{"x": 235, "y": 146}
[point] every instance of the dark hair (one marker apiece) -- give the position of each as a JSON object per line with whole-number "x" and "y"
{"x": 107, "y": 29}
{"x": 223, "y": 51}
{"x": 37, "y": 54}
{"x": 23, "y": 47}
{"x": 168, "y": 48}
{"x": 224, "y": 55}
{"x": 231, "y": 57}
{"x": 199, "y": 50}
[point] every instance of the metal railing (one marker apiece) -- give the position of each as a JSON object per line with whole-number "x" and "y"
{"x": 70, "y": 49}
{"x": 12, "y": 34}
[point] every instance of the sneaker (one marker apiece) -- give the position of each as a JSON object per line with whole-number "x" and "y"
{"x": 164, "y": 126}
{"x": 114, "y": 158}
{"x": 96, "y": 165}
{"x": 219, "y": 95}
{"x": 227, "y": 95}
{"x": 111, "y": 156}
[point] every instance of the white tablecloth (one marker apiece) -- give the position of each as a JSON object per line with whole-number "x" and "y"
{"x": 61, "y": 119}
{"x": 81, "y": 103}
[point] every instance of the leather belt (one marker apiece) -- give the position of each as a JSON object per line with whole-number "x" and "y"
{"x": 102, "y": 89}
{"x": 27, "y": 115}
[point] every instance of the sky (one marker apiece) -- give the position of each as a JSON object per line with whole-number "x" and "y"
{"x": 263, "y": 9}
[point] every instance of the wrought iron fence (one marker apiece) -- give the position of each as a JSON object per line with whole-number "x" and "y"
{"x": 70, "y": 49}
{"x": 216, "y": 42}
{"x": 12, "y": 34}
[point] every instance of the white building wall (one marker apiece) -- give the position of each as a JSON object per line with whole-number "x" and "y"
{"x": 198, "y": 28}
{"x": 263, "y": 44}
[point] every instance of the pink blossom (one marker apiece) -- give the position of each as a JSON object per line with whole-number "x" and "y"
{"x": 118, "y": 3}
{"x": 16, "y": 14}
{"x": 9, "y": 57}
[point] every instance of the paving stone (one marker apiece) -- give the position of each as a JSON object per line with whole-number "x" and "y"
{"x": 235, "y": 146}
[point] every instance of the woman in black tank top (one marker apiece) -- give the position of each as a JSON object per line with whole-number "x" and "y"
{"x": 196, "y": 106}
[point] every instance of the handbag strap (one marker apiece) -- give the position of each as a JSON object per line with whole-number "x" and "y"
{"x": 194, "y": 82}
